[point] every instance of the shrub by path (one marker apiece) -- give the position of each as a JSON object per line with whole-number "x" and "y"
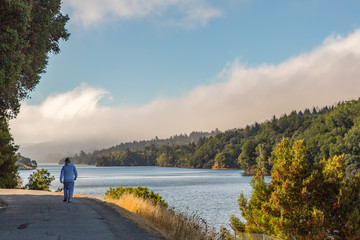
{"x": 42, "y": 215}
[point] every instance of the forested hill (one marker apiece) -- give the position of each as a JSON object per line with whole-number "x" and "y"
{"x": 326, "y": 132}
{"x": 182, "y": 139}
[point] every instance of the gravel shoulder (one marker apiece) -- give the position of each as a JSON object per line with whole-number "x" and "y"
{"x": 28, "y": 214}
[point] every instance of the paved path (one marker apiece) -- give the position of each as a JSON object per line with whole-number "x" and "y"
{"x": 43, "y": 215}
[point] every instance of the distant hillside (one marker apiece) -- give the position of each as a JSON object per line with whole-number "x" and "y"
{"x": 182, "y": 139}
{"x": 326, "y": 132}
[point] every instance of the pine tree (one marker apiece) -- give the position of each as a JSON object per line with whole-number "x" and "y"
{"x": 303, "y": 202}
{"x": 8, "y": 170}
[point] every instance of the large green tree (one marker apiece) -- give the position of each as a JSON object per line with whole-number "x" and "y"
{"x": 29, "y": 30}
{"x": 304, "y": 202}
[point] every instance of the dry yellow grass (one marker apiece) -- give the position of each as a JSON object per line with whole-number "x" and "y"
{"x": 140, "y": 221}
{"x": 173, "y": 225}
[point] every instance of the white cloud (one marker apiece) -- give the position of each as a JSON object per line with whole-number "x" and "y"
{"x": 190, "y": 13}
{"x": 326, "y": 75}
{"x": 81, "y": 102}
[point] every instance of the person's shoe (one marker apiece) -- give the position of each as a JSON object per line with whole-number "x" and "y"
{"x": 69, "y": 201}
{"x": 64, "y": 200}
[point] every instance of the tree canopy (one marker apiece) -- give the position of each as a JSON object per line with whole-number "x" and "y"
{"x": 29, "y": 30}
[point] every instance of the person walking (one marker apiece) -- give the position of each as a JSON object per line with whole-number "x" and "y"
{"x": 67, "y": 176}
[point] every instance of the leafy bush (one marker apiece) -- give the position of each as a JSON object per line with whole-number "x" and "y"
{"x": 40, "y": 180}
{"x": 141, "y": 192}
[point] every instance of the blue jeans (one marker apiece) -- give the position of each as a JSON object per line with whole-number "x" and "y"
{"x": 68, "y": 190}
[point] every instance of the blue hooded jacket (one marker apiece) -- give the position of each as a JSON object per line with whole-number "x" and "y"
{"x": 68, "y": 173}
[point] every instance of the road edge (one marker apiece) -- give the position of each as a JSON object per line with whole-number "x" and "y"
{"x": 136, "y": 219}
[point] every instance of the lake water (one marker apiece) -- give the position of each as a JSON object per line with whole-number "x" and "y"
{"x": 211, "y": 194}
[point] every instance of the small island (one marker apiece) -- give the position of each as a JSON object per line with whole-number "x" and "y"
{"x": 25, "y": 163}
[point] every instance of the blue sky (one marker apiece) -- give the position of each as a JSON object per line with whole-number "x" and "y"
{"x": 141, "y": 58}
{"x": 136, "y": 69}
